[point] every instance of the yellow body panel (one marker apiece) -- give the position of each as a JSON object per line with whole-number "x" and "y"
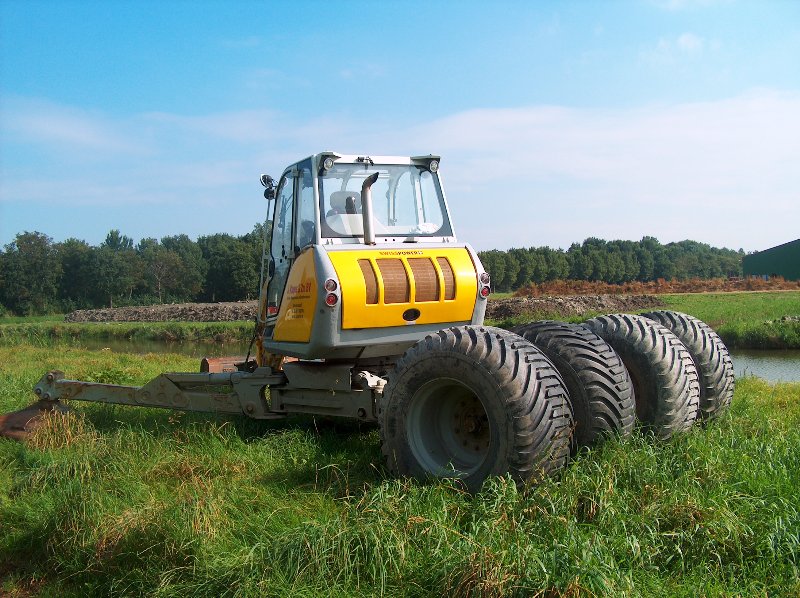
{"x": 358, "y": 313}
{"x": 299, "y": 302}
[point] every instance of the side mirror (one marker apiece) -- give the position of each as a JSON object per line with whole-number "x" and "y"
{"x": 269, "y": 186}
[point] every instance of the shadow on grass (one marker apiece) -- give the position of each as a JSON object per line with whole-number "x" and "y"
{"x": 338, "y": 456}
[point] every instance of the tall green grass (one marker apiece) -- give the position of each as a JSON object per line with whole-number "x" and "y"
{"x": 48, "y": 331}
{"x": 29, "y": 319}
{"x": 746, "y": 320}
{"x": 120, "y": 501}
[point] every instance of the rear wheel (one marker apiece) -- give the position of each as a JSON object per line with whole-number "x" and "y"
{"x": 664, "y": 378}
{"x": 471, "y": 402}
{"x": 598, "y": 383}
{"x": 711, "y": 358}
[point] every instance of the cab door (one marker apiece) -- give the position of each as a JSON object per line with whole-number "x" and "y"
{"x": 282, "y": 248}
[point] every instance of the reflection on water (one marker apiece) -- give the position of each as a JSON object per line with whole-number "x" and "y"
{"x": 774, "y": 366}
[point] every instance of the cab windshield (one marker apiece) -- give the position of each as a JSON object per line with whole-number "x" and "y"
{"x": 406, "y": 201}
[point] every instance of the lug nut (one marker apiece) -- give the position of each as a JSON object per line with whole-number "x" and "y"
{"x": 50, "y": 377}
{"x": 37, "y": 391}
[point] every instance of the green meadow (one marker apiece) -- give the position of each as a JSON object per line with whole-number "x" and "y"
{"x": 129, "y": 502}
{"x": 755, "y": 320}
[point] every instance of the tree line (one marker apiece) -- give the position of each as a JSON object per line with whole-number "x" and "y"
{"x": 38, "y": 276}
{"x": 613, "y": 262}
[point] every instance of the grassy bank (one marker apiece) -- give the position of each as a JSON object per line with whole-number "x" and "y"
{"x": 139, "y": 502}
{"x": 746, "y": 320}
{"x": 743, "y": 320}
{"x": 48, "y": 331}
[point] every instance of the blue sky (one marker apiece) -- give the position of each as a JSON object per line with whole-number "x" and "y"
{"x": 556, "y": 121}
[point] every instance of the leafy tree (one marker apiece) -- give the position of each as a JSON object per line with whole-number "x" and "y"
{"x": 580, "y": 264}
{"x": 116, "y": 241}
{"x": 644, "y": 256}
{"x": 255, "y": 239}
{"x": 192, "y": 276}
{"x": 231, "y": 272}
{"x": 557, "y": 264}
{"x": 117, "y": 268}
{"x": 163, "y": 267}
{"x": 77, "y": 275}
{"x": 512, "y": 272}
{"x": 494, "y": 262}
{"x": 526, "y": 267}
{"x": 3, "y": 308}
{"x": 30, "y": 271}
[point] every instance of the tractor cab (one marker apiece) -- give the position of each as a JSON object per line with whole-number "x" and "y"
{"x": 354, "y": 239}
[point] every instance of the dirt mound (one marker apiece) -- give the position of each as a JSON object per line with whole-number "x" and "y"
{"x": 182, "y": 312}
{"x": 501, "y": 309}
{"x": 497, "y": 309}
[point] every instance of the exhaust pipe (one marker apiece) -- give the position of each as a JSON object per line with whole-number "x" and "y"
{"x": 366, "y": 209}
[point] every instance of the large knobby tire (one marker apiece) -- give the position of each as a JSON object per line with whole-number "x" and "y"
{"x": 664, "y": 378}
{"x": 472, "y": 402}
{"x": 711, "y": 358}
{"x": 598, "y": 383}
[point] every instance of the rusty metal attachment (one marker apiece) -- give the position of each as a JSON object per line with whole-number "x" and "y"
{"x": 222, "y": 392}
{"x": 19, "y": 425}
{"x": 218, "y": 365}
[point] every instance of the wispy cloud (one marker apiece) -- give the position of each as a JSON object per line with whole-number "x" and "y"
{"x": 698, "y": 170}
{"x": 242, "y": 126}
{"x": 722, "y": 172}
{"x": 690, "y": 43}
{"x": 668, "y": 51}
{"x": 679, "y": 5}
{"x": 363, "y": 71}
{"x": 260, "y": 79}
{"x": 36, "y": 121}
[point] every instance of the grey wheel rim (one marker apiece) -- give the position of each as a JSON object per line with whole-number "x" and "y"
{"x": 448, "y": 428}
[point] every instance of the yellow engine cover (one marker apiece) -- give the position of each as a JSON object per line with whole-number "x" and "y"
{"x": 396, "y": 287}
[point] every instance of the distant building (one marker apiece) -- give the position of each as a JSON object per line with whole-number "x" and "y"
{"x": 783, "y": 260}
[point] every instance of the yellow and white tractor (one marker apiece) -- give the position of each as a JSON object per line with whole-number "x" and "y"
{"x": 370, "y": 308}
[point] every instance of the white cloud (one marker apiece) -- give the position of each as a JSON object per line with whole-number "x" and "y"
{"x": 681, "y": 5}
{"x": 689, "y": 42}
{"x": 34, "y": 121}
{"x": 243, "y": 126}
{"x": 722, "y": 172}
{"x": 668, "y": 51}
{"x": 363, "y": 71}
{"x": 259, "y": 79}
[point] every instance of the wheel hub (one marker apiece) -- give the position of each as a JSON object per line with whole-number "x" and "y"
{"x": 448, "y": 429}
{"x": 471, "y": 425}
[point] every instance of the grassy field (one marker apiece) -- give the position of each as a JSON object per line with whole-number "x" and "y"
{"x": 743, "y": 320}
{"x": 746, "y": 320}
{"x": 120, "y": 501}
